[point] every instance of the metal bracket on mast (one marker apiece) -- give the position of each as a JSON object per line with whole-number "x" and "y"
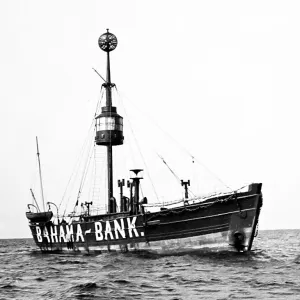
{"x": 105, "y": 84}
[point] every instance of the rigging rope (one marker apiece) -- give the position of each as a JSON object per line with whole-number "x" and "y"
{"x": 138, "y": 146}
{"x": 99, "y": 101}
{"x": 200, "y": 163}
{"x": 83, "y": 178}
{"x": 83, "y": 149}
{"x": 76, "y": 168}
{"x": 91, "y": 151}
{"x": 163, "y": 160}
{"x": 178, "y": 144}
{"x": 178, "y": 179}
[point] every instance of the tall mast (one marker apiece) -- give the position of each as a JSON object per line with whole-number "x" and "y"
{"x": 40, "y": 172}
{"x": 108, "y": 83}
{"x": 109, "y": 125}
{"x": 109, "y": 147}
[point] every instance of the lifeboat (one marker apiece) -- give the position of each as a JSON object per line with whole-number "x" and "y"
{"x": 40, "y": 217}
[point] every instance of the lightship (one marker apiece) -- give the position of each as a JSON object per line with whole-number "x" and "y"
{"x": 226, "y": 221}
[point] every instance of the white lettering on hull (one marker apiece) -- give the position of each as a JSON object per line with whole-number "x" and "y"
{"x": 46, "y": 234}
{"x": 88, "y": 231}
{"x": 103, "y": 231}
{"x": 108, "y": 231}
{"x": 98, "y": 231}
{"x": 79, "y": 234}
{"x": 39, "y": 234}
{"x": 62, "y": 234}
{"x": 119, "y": 229}
{"x": 53, "y": 231}
{"x": 131, "y": 227}
{"x": 70, "y": 234}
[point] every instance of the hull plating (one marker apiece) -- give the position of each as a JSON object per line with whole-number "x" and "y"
{"x": 226, "y": 223}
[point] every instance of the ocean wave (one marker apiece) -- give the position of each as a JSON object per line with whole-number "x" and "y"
{"x": 86, "y": 286}
{"x": 271, "y": 270}
{"x": 71, "y": 262}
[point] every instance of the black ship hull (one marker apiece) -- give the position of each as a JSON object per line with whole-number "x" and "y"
{"x": 226, "y": 222}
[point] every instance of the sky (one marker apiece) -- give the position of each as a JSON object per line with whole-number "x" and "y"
{"x": 221, "y": 77}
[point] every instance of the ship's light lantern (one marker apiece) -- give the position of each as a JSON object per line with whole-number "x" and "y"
{"x": 109, "y": 127}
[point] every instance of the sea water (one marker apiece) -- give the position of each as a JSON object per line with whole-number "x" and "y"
{"x": 270, "y": 271}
